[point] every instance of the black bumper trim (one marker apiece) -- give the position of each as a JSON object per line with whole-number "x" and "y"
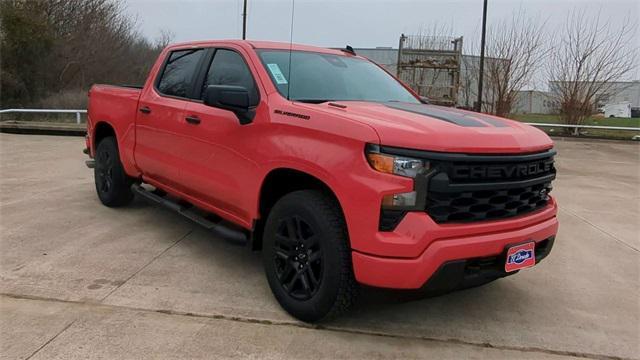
{"x": 468, "y": 273}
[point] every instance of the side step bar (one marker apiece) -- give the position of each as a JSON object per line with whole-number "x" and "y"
{"x": 189, "y": 211}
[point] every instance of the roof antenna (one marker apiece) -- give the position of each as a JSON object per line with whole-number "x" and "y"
{"x": 349, "y": 49}
{"x": 293, "y": 7}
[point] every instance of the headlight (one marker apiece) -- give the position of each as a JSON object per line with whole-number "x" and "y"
{"x": 396, "y": 165}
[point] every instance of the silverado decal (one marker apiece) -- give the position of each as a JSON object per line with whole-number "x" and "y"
{"x": 287, "y": 113}
{"x": 449, "y": 115}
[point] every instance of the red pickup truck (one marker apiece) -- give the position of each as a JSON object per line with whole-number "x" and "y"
{"x": 336, "y": 170}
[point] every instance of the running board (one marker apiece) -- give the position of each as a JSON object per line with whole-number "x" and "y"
{"x": 190, "y": 212}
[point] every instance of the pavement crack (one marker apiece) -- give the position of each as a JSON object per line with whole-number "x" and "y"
{"x": 146, "y": 265}
{"x": 601, "y": 230}
{"x": 51, "y": 340}
{"x": 322, "y": 327}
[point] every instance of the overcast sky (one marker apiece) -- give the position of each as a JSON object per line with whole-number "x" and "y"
{"x": 360, "y": 23}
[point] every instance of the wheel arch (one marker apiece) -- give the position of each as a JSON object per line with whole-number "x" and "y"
{"x": 102, "y": 130}
{"x": 279, "y": 182}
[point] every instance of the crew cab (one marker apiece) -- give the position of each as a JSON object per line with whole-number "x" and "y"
{"x": 339, "y": 173}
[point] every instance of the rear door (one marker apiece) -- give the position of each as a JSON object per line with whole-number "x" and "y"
{"x": 161, "y": 119}
{"x": 220, "y": 162}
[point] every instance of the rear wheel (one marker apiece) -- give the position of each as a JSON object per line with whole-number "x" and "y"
{"x": 307, "y": 257}
{"x": 112, "y": 183}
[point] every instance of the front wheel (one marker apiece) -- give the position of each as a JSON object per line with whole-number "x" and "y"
{"x": 112, "y": 183}
{"x": 307, "y": 257}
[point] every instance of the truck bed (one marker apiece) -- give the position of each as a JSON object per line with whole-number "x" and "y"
{"x": 118, "y": 107}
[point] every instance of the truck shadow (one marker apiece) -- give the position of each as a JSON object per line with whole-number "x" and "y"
{"x": 224, "y": 276}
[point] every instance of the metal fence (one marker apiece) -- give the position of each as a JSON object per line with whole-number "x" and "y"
{"x": 624, "y": 128}
{"x": 431, "y": 66}
{"x": 79, "y": 121}
{"x": 45, "y": 111}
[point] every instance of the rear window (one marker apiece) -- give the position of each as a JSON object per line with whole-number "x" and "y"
{"x": 179, "y": 70}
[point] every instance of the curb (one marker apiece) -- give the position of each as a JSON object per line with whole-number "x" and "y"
{"x": 17, "y": 127}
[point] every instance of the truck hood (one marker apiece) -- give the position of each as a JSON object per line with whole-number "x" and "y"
{"x": 437, "y": 128}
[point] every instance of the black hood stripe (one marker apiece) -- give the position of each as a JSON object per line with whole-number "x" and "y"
{"x": 452, "y": 117}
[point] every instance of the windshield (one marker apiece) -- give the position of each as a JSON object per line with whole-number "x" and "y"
{"x": 317, "y": 77}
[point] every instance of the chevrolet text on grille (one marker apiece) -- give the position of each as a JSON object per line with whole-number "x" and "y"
{"x": 501, "y": 171}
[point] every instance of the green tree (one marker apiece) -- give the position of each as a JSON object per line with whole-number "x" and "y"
{"x": 25, "y": 47}
{"x": 52, "y": 51}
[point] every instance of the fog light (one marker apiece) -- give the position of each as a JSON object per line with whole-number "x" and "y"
{"x": 400, "y": 200}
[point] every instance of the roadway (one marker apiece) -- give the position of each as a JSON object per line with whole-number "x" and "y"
{"x": 82, "y": 281}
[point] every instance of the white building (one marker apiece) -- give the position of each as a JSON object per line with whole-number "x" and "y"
{"x": 534, "y": 102}
{"x": 615, "y": 93}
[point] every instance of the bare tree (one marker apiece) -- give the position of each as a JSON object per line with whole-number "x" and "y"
{"x": 165, "y": 38}
{"x": 517, "y": 49}
{"x": 515, "y": 52}
{"x": 588, "y": 57}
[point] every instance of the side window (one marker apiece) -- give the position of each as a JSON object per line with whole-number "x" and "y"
{"x": 179, "y": 71}
{"x": 228, "y": 68}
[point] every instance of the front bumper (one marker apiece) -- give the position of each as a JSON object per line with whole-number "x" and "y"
{"x": 459, "y": 244}
{"x": 463, "y": 274}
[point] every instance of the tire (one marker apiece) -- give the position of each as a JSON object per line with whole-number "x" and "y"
{"x": 112, "y": 183}
{"x": 307, "y": 257}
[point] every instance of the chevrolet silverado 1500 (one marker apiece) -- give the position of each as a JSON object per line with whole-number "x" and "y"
{"x": 339, "y": 173}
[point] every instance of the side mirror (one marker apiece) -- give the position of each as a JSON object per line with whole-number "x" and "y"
{"x": 424, "y": 100}
{"x": 233, "y": 98}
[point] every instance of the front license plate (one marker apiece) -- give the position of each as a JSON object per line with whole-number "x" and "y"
{"x": 520, "y": 257}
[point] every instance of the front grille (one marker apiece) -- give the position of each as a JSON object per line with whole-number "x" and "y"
{"x": 486, "y": 204}
{"x": 464, "y": 188}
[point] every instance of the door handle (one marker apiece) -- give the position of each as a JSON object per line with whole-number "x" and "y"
{"x": 193, "y": 120}
{"x": 145, "y": 110}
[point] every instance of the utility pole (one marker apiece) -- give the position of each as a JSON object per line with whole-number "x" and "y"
{"x": 481, "y": 75}
{"x": 244, "y": 21}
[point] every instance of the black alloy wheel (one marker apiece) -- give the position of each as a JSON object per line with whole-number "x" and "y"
{"x": 104, "y": 171}
{"x": 298, "y": 258}
{"x": 112, "y": 183}
{"x": 307, "y": 257}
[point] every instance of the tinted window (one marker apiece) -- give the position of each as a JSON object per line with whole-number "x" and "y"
{"x": 179, "y": 71}
{"x": 228, "y": 68}
{"x": 317, "y": 77}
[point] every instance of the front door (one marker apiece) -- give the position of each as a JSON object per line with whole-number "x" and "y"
{"x": 220, "y": 161}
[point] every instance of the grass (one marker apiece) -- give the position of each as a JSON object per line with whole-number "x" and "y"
{"x": 593, "y": 120}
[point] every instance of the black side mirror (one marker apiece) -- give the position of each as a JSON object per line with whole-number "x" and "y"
{"x": 233, "y": 98}
{"x": 424, "y": 100}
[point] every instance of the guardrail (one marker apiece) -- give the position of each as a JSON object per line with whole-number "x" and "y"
{"x": 78, "y": 119}
{"x": 52, "y": 111}
{"x": 625, "y": 128}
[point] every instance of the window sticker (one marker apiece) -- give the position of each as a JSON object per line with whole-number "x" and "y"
{"x": 277, "y": 74}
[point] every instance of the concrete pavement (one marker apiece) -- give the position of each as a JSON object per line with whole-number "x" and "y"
{"x": 79, "y": 280}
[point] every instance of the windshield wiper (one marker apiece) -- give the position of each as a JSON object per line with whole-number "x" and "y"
{"x": 313, "y": 101}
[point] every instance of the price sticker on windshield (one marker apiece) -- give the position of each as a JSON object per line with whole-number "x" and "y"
{"x": 278, "y": 76}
